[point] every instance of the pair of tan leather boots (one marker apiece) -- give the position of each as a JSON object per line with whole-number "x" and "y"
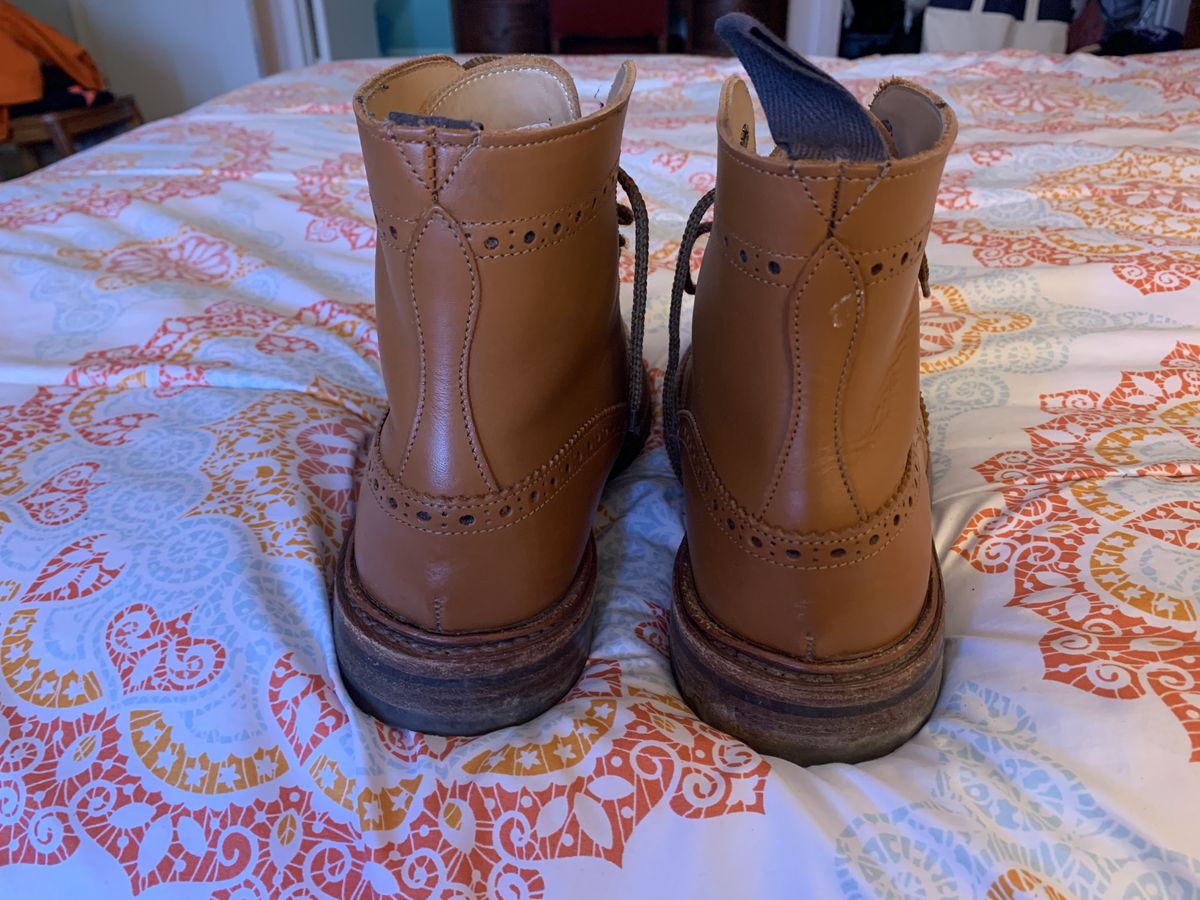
{"x": 807, "y": 611}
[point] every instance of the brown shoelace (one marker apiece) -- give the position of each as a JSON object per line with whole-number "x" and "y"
{"x": 695, "y": 227}
{"x": 636, "y": 214}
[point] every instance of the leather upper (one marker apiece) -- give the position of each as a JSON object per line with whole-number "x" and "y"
{"x": 501, "y": 339}
{"x": 802, "y": 443}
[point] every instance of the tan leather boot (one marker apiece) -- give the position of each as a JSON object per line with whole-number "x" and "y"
{"x": 463, "y": 600}
{"x": 807, "y": 613}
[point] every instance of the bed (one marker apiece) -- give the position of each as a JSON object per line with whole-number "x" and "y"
{"x": 188, "y": 375}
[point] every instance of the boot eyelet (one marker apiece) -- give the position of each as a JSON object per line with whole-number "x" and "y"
{"x": 466, "y": 520}
{"x": 742, "y": 255}
{"x": 424, "y": 516}
{"x": 793, "y": 554}
{"x": 492, "y": 242}
{"x": 774, "y": 267}
{"x": 874, "y": 540}
{"x": 729, "y": 524}
{"x": 877, "y": 268}
{"x": 392, "y": 231}
{"x": 530, "y": 237}
{"x": 904, "y": 258}
{"x": 756, "y": 542}
{"x": 391, "y": 501}
{"x": 837, "y": 552}
{"x": 505, "y": 511}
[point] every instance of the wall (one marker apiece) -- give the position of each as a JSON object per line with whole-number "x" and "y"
{"x": 414, "y": 27}
{"x": 55, "y": 13}
{"x": 170, "y": 55}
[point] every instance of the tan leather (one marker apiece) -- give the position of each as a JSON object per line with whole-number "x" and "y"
{"x": 802, "y": 443}
{"x": 501, "y": 339}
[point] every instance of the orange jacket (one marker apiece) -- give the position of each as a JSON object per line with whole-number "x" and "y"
{"x": 25, "y": 43}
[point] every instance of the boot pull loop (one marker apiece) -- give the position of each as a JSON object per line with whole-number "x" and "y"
{"x": 682, "y": 283}
{"x": 809, "y": 114}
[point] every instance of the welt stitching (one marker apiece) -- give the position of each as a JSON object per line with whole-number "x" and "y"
{"x": 412, "y": 297}
{"x": 841, "y": 390}
{"x": 793, "y": 423}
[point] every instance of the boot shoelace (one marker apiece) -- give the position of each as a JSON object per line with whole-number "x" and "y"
{"x": 695, "y": 227}
{"x": 636, "y": 214}
{"x": 683, "y": 283}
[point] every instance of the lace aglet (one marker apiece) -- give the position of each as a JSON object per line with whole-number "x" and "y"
{"x": 923, "y": 278}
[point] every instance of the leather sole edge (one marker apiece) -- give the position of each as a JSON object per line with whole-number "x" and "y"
{"x": 427, "y": 684}
{"x": 807, "y": 712}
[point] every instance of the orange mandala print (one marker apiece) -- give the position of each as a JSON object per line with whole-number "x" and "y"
{"x": 1100, "y": 528}
{"x": 1138, "y": 212}
{"x": 188, "y": 255}
{"x": 952, "y": 333}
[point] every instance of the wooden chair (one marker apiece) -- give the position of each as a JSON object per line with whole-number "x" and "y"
{"x": 64, "y": 128}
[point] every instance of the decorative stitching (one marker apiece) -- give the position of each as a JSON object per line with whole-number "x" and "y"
{"x": 793, "y": 176}
{"x": 568, "y": 229}
{"x": 412, "y": 298}
{"x": 395, "y": 143}
{"x": 468, "y": 333}
{"x": 797, "y": 386}
{"x": 539, "y": 487}
{"x": 859, "y": 298}
{"x": 885, "y": 525}
{"x": 887, "y": 164}
{"x": 454, "y": 168}
{"x": 767, "y": 250}
{"x": 609, "y": 179}
{"x": 737, "y": 265}
{"x": 481, "y": 76}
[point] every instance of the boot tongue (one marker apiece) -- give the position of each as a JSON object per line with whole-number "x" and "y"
{"x": 508, "y": 94}
{"x": 809, "y": 114}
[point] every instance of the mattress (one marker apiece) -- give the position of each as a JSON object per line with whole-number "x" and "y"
{"x": 189, "y": 371}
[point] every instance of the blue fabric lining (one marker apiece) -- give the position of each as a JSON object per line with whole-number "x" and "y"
{"x": 809, "y": 114}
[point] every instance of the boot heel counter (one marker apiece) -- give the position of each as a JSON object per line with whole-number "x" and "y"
{"x": 814, "y": 595}
{"x": 470, "y": 563}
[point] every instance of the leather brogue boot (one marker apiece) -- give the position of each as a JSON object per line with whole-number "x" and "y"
{"x": 463, "y": 597}
{"x": 807, "y": 614}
